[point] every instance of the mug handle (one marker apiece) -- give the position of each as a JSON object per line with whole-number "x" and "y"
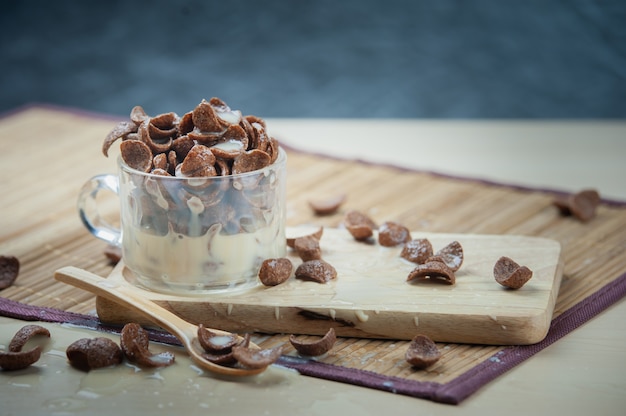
{"x": 87, "y": 208}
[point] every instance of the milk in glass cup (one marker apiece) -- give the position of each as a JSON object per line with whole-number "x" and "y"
{"x": 193, "y": 235}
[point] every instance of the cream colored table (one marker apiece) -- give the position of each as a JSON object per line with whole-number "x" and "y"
{"x": 583, "y": 373}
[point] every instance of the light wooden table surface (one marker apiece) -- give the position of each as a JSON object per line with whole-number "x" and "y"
{"x": 583, "y": 373}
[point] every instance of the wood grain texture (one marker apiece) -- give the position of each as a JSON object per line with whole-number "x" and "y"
{"x": 370, "y": 298}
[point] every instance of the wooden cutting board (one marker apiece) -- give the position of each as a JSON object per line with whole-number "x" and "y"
{"x": 372, "y": 299}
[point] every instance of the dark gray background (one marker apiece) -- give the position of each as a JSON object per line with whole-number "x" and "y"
{"x": 328, "y": 58}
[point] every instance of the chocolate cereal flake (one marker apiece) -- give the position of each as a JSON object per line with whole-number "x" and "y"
{"x": 137, "y": 155}
{"x": 213, "y": 124}
{"x": 11, "y": 361}
{"x": 25, "y": 334}
{"x": 327, "y": 206}
{"x": 113, "y": 253}
{"x": 510, "y": 274}
{"x": 160, "y": 162}
{"x": 314, "y": 348}
{"x": 582, "y": 205}
{"x": 138, "y": 115}
{"x": 181, "y": 147}
{"x": 92, "y": 353}
{"x": 216, "y": 343}
{"x": 251, "y": 160}
{"x": 359, "y": 225}
{"x": 432, "y": 270}
{"x": 422, "y": 352}
{"x": 235, "y": 135}
{"x": 291, "y": 240}
{"x": 205, "y": 119}
{"x": 275, "y": 271}
{"x": 122, "y": 129}
{"x": 308, "y": 248}
{"x": 200, "y": 161}
{"x": 222, "y": 354}
{"x": 9, "y": 270}
{"x": 316, "y": 270}
{"x": 226, "y": 358}
{"x": 256, "y": 358}
{"x": 134, "y": 341}
{"x": 417, "y": 251}
{"x": 15, "y": 358}
{"x": 391, "y": 234}
{"x": 451, "y": 255}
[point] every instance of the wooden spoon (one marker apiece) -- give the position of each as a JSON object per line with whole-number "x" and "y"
{"x": 185, "y": 332}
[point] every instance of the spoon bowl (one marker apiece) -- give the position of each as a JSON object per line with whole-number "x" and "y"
{"x": 184, "y": 331}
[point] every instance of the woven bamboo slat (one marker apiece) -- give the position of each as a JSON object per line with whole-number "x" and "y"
{"x": 51, "y": 154}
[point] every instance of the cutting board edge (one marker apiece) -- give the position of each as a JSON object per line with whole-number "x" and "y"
{"x": 222, "y": 312}
{"x": 473, "y": 329}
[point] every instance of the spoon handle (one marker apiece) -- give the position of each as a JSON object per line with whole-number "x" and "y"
{"x": 123, "y": 296}
{"x": 186, "y": 332}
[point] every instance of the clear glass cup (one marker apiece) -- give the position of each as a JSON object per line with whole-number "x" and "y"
{"x": 193, "y": 235}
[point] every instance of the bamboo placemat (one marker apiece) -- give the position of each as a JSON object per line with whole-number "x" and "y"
{"x": 47, "y": 239}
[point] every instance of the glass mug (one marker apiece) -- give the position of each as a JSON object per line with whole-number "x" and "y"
{"x": 183, "y": 235}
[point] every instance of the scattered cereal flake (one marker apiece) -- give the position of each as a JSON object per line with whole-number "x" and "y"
{"x": 275, "y": 271}
{"x": 422, "y": 352}
{"x": 92, "y": 353}
{"x": 317, "y": 347}
{"x": 417, "y": 251}
{"x": 316, "y": 270}
{"x": 391, "y": 234}
{"x": 359, "y": 225}
{"x": 581, "y": 205}
{"x": 327, "y": 206}
{"x": 510, "y": 274}
{"x": 9, "y": 270}
{"x": 433, "y": 270}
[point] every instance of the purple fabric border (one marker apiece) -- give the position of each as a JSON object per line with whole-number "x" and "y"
{"x": 453, "y": 392}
